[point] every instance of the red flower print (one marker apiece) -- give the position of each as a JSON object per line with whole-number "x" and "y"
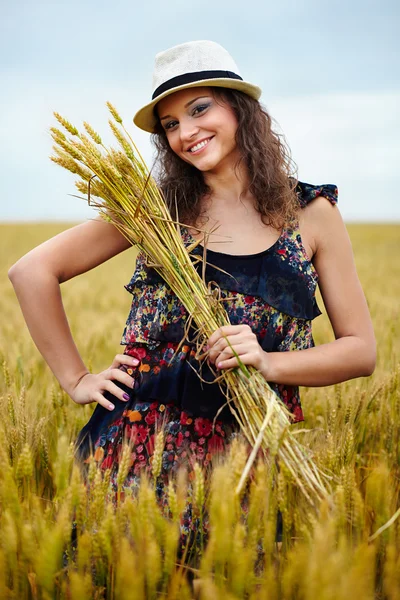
{"x": 298, "y": 413}
{"x": 215, "y": 444}
{"x": 202, "y": 426}
{"x": 179, "y": 439}
{"x": 139, "y": 433}
{"x": 249, "y": 299}
{"x": 151, "y": 417}
{"x": 282, "y": 252}
{"x": 139, "y": 448}
{"x": 193, "y": 445}
{"x": 202, "y": 440}
{"x": 138, "y": 353}
{"x": 153, "y": 405}
{"x": 184, "y": 418}
{"x": 107, "y": 462}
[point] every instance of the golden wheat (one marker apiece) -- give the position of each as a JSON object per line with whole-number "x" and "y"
{"x": 353, "y": 430}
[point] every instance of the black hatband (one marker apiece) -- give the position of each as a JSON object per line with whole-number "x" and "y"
{"x": 191, "y": 78}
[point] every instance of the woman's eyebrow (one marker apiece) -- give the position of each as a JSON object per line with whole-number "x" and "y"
{"x": 186, "y": 105}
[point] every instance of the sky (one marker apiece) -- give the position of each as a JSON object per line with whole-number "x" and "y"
{"x": 329, "y": 72}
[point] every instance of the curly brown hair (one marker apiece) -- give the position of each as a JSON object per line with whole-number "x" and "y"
{"x": 266, "y": 155}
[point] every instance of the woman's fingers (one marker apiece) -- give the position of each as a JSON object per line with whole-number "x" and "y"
{"x": 100, "y": 399}
{"x": 227, "y": 330}
{"x": 229, "y": 363}
{"x": 243, "y": 336}
{"x": 229, "y": 351}
{"x": 91, "y": 388}
{"x": 127, "y": 378}
{"x": 124, "y": 359}
{"x": 116, "y": 391}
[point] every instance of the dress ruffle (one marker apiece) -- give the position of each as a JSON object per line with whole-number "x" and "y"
{"x": 307, "y": 192}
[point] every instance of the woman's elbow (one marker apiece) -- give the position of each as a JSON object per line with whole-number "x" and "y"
{"x": 369, "y": 359}
{"x": 14, "y": 272}
{"x": 23, "y": 270}
{"x": 369, "y": 368}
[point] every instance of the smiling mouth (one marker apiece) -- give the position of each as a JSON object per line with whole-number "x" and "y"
{"x": 200, "y": 147}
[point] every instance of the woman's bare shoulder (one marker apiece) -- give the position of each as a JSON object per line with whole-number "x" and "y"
{"x": 319, "y": 220}
{"x": 75, "y": 250}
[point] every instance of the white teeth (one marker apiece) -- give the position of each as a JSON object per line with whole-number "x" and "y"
{"x": 198, "y": 146}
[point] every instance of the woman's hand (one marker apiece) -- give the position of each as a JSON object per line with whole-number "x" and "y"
{"x": 243, "y": 341}
{"x": 90, "y": 387}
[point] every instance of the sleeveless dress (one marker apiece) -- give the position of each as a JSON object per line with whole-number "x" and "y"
{"x": 272, "y": 291}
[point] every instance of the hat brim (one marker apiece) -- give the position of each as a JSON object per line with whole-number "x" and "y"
{"x": 146, "y": 120}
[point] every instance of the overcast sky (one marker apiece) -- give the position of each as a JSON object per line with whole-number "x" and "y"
{"x": 328, "y": 71}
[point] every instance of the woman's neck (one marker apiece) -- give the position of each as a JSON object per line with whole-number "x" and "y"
{"x": 229, "y": 187}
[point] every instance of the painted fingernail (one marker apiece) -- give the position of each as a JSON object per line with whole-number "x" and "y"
{"x": 219, "y": 365}
{"x": 111, "y": 406}
{"x": 125, "y": 396}
{"x": 135, "y": 361}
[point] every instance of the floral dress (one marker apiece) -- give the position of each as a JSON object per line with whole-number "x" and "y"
{"x": 272, "y": 291}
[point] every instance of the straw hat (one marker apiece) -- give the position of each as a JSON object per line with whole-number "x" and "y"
{"x": 193, "y": 64}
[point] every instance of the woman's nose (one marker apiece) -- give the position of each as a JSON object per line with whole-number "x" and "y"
{"x": 188, "y": 131}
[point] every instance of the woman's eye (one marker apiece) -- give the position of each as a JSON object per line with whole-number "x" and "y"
{"x": 201, "y": 107}
{"x": 170, "y": 124}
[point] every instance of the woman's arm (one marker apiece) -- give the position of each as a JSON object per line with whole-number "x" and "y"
{"x": 353, "y": 353}
{"x": 36, "y": 278}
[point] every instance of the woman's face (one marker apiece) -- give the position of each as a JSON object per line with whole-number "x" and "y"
{"x": 191, "y": 117}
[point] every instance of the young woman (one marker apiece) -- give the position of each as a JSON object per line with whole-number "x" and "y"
{"x": 222, "y": 165}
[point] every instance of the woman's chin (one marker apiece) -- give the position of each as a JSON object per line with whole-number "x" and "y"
{"x": 207, "y": 163}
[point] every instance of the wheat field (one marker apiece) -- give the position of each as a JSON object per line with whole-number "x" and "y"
{"x": 129, "y": 551}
